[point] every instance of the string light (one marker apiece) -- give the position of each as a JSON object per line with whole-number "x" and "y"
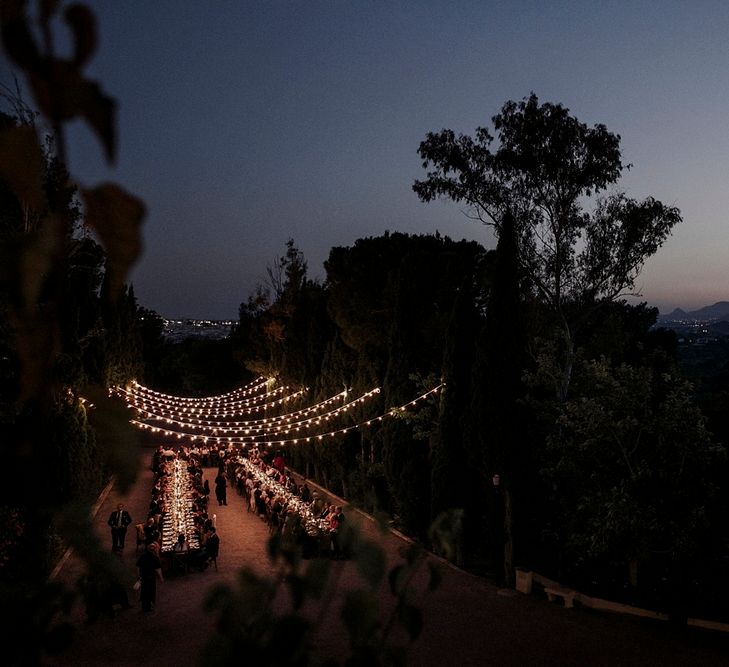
{"x": 202, "y": 405}
{"x": 283, "y": 424}
{"x": 193, "y": 437}
{"x": 162, "y": 410}
{"x": 246, "y": 390}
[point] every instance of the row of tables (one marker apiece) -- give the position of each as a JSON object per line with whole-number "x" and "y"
{"x": 313, "y": 525}
{"x": 179, "y": 518}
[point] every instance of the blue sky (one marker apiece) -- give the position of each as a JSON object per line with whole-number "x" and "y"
{"x": 243, "y": 124}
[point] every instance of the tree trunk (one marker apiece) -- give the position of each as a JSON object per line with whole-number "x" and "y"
{"x": 633, "y": 572}
{"x": 565, "y": 360}
{"x": 508, "y": 541}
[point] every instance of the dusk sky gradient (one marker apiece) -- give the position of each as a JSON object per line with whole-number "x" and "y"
{"x": 244, "y": 124}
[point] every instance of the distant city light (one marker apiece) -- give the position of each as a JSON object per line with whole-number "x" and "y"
{"x": 178, "y": 330}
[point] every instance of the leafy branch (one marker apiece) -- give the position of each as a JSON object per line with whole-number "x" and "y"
{"x": 275, "y": 619}
{"x": 62, "y": 93}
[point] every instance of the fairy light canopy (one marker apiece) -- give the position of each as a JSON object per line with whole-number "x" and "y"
{"x": 219, "y": 420}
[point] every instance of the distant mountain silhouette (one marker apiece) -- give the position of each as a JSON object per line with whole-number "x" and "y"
{"x": 718, "y": 311}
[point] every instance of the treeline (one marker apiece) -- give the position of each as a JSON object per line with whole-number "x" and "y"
{"x": 621, "y": 475}
{"x": 69, "y": 326}
{"x": 60, "y": 348}
{"x": 566, "y": 439}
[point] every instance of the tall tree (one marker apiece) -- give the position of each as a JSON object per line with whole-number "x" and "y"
{"x": 545, "y": 166}
{"x": 456, "y": 475}
{"x": 283, "y": 329}
{"x": 500, "y": 368}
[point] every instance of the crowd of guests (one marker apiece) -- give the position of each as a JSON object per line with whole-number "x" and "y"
{"x": 270, "y": 490}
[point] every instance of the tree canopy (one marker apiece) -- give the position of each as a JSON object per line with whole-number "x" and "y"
{"x": 543, "y": 166}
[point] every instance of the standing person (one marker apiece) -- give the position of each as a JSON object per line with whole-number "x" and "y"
{"x": 149, "y": 568}
{"x": 211, "y": 548}
{"x": 221, "y": 492}
{"x": 279, "y": 463}
{"x": 336, "y": 518}
{"x": 151, "y": 531}
{"x": 119, "y": 521}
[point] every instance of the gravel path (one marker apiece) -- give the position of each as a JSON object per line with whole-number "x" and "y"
{"x": 467, "y": 621}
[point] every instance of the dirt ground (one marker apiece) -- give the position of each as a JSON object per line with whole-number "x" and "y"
{"x": 467, "y": 621}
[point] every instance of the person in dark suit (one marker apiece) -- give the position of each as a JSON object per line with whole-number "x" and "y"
{"x": 212, "y": 546}
{"x": 119, "y": 521}
{"x": 220, "y": 488}
{"x": 149, "y": 568}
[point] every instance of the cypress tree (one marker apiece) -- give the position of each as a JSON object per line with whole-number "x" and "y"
{"x": 501, "y": 376}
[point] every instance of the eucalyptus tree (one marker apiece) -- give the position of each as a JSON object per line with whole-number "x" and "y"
{"x": 544, "y": 167}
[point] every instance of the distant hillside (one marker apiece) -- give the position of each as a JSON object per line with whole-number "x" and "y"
{"x": 719, "y": 328}
{"x": 718, "y": 311}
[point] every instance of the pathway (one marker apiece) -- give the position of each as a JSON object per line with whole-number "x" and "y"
{"x": 468, "y": 621}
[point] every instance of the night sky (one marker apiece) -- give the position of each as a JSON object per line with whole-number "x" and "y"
{"x": 244, "y": 124}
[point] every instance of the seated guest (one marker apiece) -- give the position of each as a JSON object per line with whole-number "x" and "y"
{"x": 209, "y": 551}
{"x": 181, "y": 544}
{"x": 276, "y": 510}
{"x": 151, "y": 531}
{"x": 305, "y": 493}
{"x": 290, "y": 483}
{"x": 180, "y": 554}
{"x": 333, "y": 519}
{"x": 317, "y": 504}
